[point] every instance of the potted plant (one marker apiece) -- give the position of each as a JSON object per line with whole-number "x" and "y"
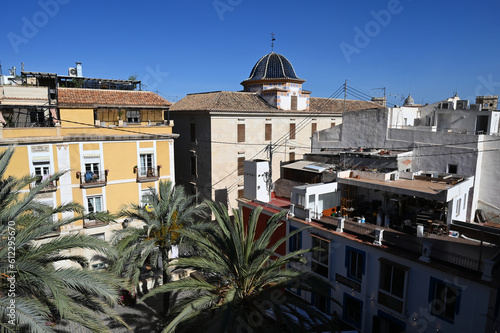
{"x": 120, "y": 120}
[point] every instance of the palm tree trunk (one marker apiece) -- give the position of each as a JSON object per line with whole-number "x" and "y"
{"x": 166, "y": 279}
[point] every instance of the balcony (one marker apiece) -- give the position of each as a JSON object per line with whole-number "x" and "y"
{"x": 149, "y": 174}
{"x": 92, "y": 179}
{"x": 50, "y": 187}
{"x": 93, "y": 223}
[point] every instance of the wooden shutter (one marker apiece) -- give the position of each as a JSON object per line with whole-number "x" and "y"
{"x": 269, "y": 132}
{"x": 292, "y": 131}
{"x": 241, "y": 161}
{"x": 241, "y": 132}
{"x": 314, "y": 128}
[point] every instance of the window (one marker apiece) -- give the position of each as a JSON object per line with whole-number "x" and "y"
{"x": 241, "y": 132}
{"x": 300, "y": 200}
{"x": 193, "y": 132}
{"x": 321, "y": 302}
{"x": 332, "y": 124}
{"x": 444, "y": 299}
{"x": 392, "y": 288}
{"x": 355, "y": 263}
{"x": 146, "y": 165}
{"x": 94, "y": 204}
{"x": 269, "y": 132}
{"x": 241, "y": 161}
{"x": 92, "y": 173}
{"x": 42, "y": 170}
{"x": 133, "y": 117}
{"x": 314, "y": 128}
{"x": 241, "y": 193}
{"x": 452, "y": 168}
{"x": 294, "y": 103}
{"x": 320, "y": 257}
{"x": 352, "y": 313}
{"x": 294, "y": 242}
{"x": 193, "y": 165}
{"x": 459, "y": 203}
{"x": 292, "y": 131}
{"x": 291, "y": 156}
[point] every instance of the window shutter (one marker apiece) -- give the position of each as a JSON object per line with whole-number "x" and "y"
{"x": 241, "y": 132}
{"x": 241, "y": 161}
{"x": 269, "y": 132}
{"x": 292, "y": 131}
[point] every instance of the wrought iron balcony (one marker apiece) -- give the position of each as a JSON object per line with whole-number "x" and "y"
{"x": 49, "y": 187}
{"x": 90, "y": 179}
{"x": 147, "y": 174}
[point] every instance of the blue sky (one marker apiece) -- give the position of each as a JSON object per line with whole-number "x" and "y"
{"x": 429, "y": 48}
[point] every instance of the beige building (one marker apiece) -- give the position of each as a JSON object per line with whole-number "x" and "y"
{"x": 220, "y": 130}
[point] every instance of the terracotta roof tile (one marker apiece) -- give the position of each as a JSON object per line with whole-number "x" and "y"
{"x": 330, "y": 105}
{"x": 239, "y": 101}
{"x": 75, "y": 97}
{"x": 223, "y": 101}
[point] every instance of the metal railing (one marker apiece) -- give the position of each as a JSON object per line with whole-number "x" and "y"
{"x": 147, "y": 173}
{"x": 91, "y": 179}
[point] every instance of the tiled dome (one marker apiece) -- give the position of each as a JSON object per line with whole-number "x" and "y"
{"x": 272, "y": 66}
{"x": 409, "y": 101}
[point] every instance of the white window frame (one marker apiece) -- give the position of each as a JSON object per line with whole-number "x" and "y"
{"x": 144, "y": 166}
{"x": 94, "y": 197}
{"x": 390, "y": 293}
{"x": 318, "y": 258}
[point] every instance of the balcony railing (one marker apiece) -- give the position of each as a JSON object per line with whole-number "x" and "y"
{"x": 50, "y": 187}
{"x": 93, "y": 223}
{"x": 92, "y": 179}
{"x": 147, "y": 174}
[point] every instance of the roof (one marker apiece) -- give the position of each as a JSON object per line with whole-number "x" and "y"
{"x": 332, "y": 105}
{"x": 77, "y": 97}
{"x": 242, "y": 101}
{"x": 223, "y": 101}
{"x": 272, "y": 66}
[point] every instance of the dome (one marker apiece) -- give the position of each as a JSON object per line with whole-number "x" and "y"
{"x": 273, "y": 66}
{"x": 409, "y": 101}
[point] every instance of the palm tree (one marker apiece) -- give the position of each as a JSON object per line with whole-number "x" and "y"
{"x": 165, "y": 213}
{"x": 240, "y": 288}
{"x": 39, "y": 277}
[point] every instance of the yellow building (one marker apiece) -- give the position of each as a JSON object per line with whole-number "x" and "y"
{"x": 114, "y": 145}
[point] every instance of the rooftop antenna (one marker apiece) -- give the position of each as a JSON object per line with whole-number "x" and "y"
{"x": 382, "y": 88}
{"x": 22, "y": 67}
{"x": 272, "y": 41}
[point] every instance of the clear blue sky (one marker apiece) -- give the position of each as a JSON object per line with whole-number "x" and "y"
{"x": 429, "y": 48}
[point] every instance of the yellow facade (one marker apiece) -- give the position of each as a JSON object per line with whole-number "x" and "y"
{"x": 102, "y": 163}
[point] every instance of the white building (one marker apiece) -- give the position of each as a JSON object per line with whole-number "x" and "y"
{"x": 386, "y": 279}
{"x": 221, "y": 129}
{"x": 450, "y": 136}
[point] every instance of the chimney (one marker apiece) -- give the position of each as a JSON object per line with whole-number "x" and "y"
{"x": 79, "y": 69}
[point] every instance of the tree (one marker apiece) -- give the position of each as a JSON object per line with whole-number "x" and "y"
{"x": 40, "y": 281}
{"x": 163, "y": 214}
{"x": 241, "y": 285}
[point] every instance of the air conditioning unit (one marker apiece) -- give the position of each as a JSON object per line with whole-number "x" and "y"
{"x": 72, "y": 71}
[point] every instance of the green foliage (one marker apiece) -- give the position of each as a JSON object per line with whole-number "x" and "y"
{"x": 239, "y": 286}
{"x": 50, "y": 282}
{"x": 165, "y": 212}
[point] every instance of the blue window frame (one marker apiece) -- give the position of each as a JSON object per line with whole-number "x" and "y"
{"x": 444, "y": 299}
{"x": 355, "y": 263}
{"x": 352, "y": 310}
{"x": 294, "y": 242}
